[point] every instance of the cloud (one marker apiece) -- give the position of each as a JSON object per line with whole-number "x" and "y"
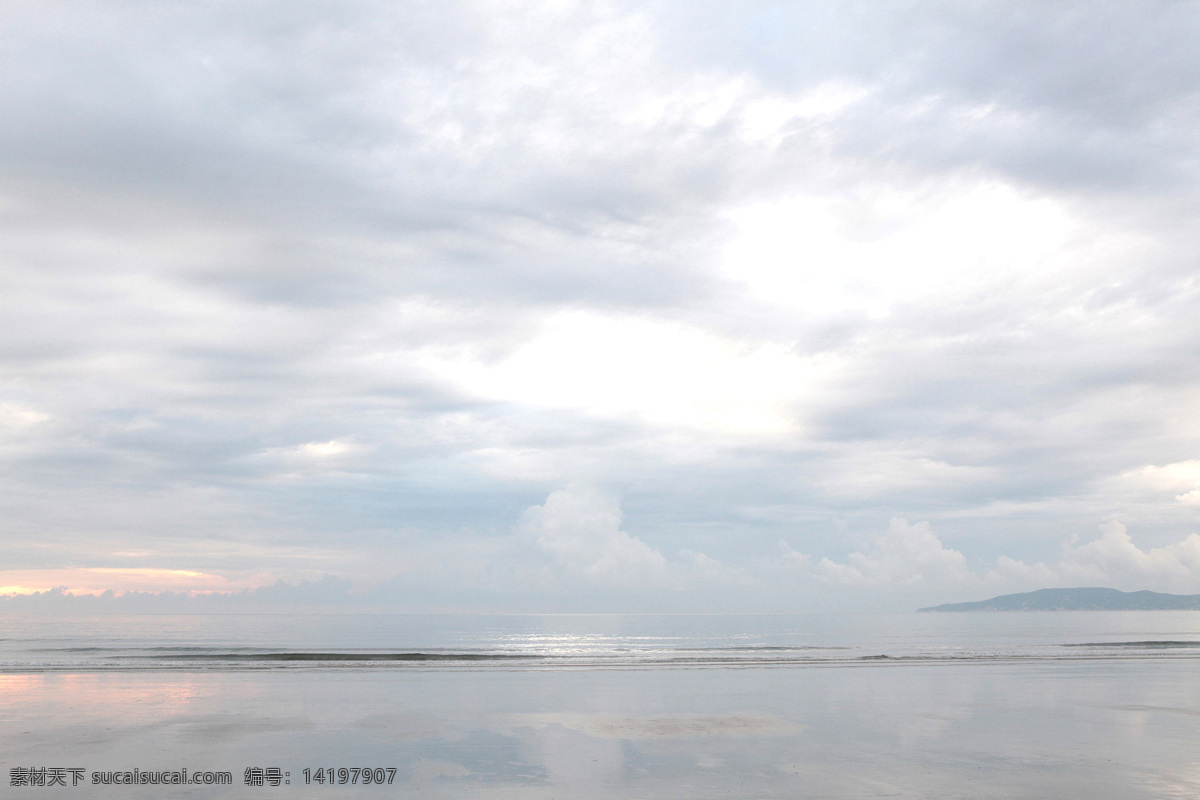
{"x": 580, "y": 528}
{"x": 659, "y": 373}
{"x": 324, "y": 593}
{"x": 323, "y": 449}
{"x": 96, "y": 580}
{"x": 912, "y": 556}
{"x": 1191, "y": 498}
{"x": 1114, "y": 559}
{"x": 958, "y": 85}
{"x": 1010, "y": 572}
{"x": 905, "y": 555}
{"x": 793, "y": 558}
{"x": 1170, "y": 478}
{"x": 347, "y": 287}
{"x": 16, "y": 418}
{"x": 1111, "y": 559}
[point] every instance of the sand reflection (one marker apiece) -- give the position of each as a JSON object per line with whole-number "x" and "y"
{"x": 611, "y": 726}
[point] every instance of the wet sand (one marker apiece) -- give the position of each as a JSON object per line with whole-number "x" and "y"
{"x": 1107, "y": 729}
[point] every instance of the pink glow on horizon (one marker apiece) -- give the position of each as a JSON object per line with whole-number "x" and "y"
{"x": 98, "y": 580}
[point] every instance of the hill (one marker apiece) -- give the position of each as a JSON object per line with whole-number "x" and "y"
{"x": 1084, "y": 599}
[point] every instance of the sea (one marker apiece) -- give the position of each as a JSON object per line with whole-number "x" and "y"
{"x": 925, "y": 705}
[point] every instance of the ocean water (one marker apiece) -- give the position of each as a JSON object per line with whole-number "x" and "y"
{"x": 1020, "y": 705}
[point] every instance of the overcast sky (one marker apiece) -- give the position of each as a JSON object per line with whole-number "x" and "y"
{"x": 558, "y": 306}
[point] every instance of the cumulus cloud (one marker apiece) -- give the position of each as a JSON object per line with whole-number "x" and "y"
{"x": 903, "y": 555}
{"x": 580, "y": 528}
{"x": 1113, "y": 559}
{"x": 1012, "y": 573}
{"x": 1191, "y": 498}
{"x": 1170, "y": 478}
{"x": 913, "y": 556}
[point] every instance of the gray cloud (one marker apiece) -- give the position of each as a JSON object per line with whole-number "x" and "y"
{"x": 296, "y": 289}
{"x": 1072, "y": 95}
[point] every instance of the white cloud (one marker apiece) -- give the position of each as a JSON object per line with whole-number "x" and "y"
{"x": 904, "y": 555}
{"x": 769, "y": 118}
{"x": 699, "y": 569}
{"x": 1171, "y": 478}
{"x": 1009, "y": 573}
{"x": 1115, "y": 559}
{"x": 1112, "y": 559}
{"x": 323, "y": 449}
{"x": 310, "y": 458}
{"x": 1180, "y": 479}
{"x": 580, "y": 528}
{"x": 16, "y": 418}
{"x": 880, "y": 246}
{"x": 913, "y": 556}
{"x": 793, "y": 558}
{"x": 1191, "y": 498}
{"x": 653, "y": 370}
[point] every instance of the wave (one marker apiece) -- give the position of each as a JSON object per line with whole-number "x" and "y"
{"x": 1152, "y": 644}
{"x": 307, "y": 656}
{"x": 88, "y": 658}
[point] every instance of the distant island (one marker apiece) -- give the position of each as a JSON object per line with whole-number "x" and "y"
{"x": 1086, "y": 599}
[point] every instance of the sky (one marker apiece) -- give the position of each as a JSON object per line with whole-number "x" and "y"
{"x": 563, "y": 306}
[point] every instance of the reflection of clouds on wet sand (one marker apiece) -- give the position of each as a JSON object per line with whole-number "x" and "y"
{"x": 18, "y": 686}
{"x": 586, "y": 752}
{"x": 425, "y": 771}
{"x": 217, "y": 728}
{"x": 104, "y": 708}
{"x": 673, "y": 726}
{"x": 404, "y": 726}
{"x": 1001, "y": 731}
{"x": 1191, "y": 712}
{"x": 101, "y": 695}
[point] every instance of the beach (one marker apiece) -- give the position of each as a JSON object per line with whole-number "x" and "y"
{"x": 1109, "y": 726}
